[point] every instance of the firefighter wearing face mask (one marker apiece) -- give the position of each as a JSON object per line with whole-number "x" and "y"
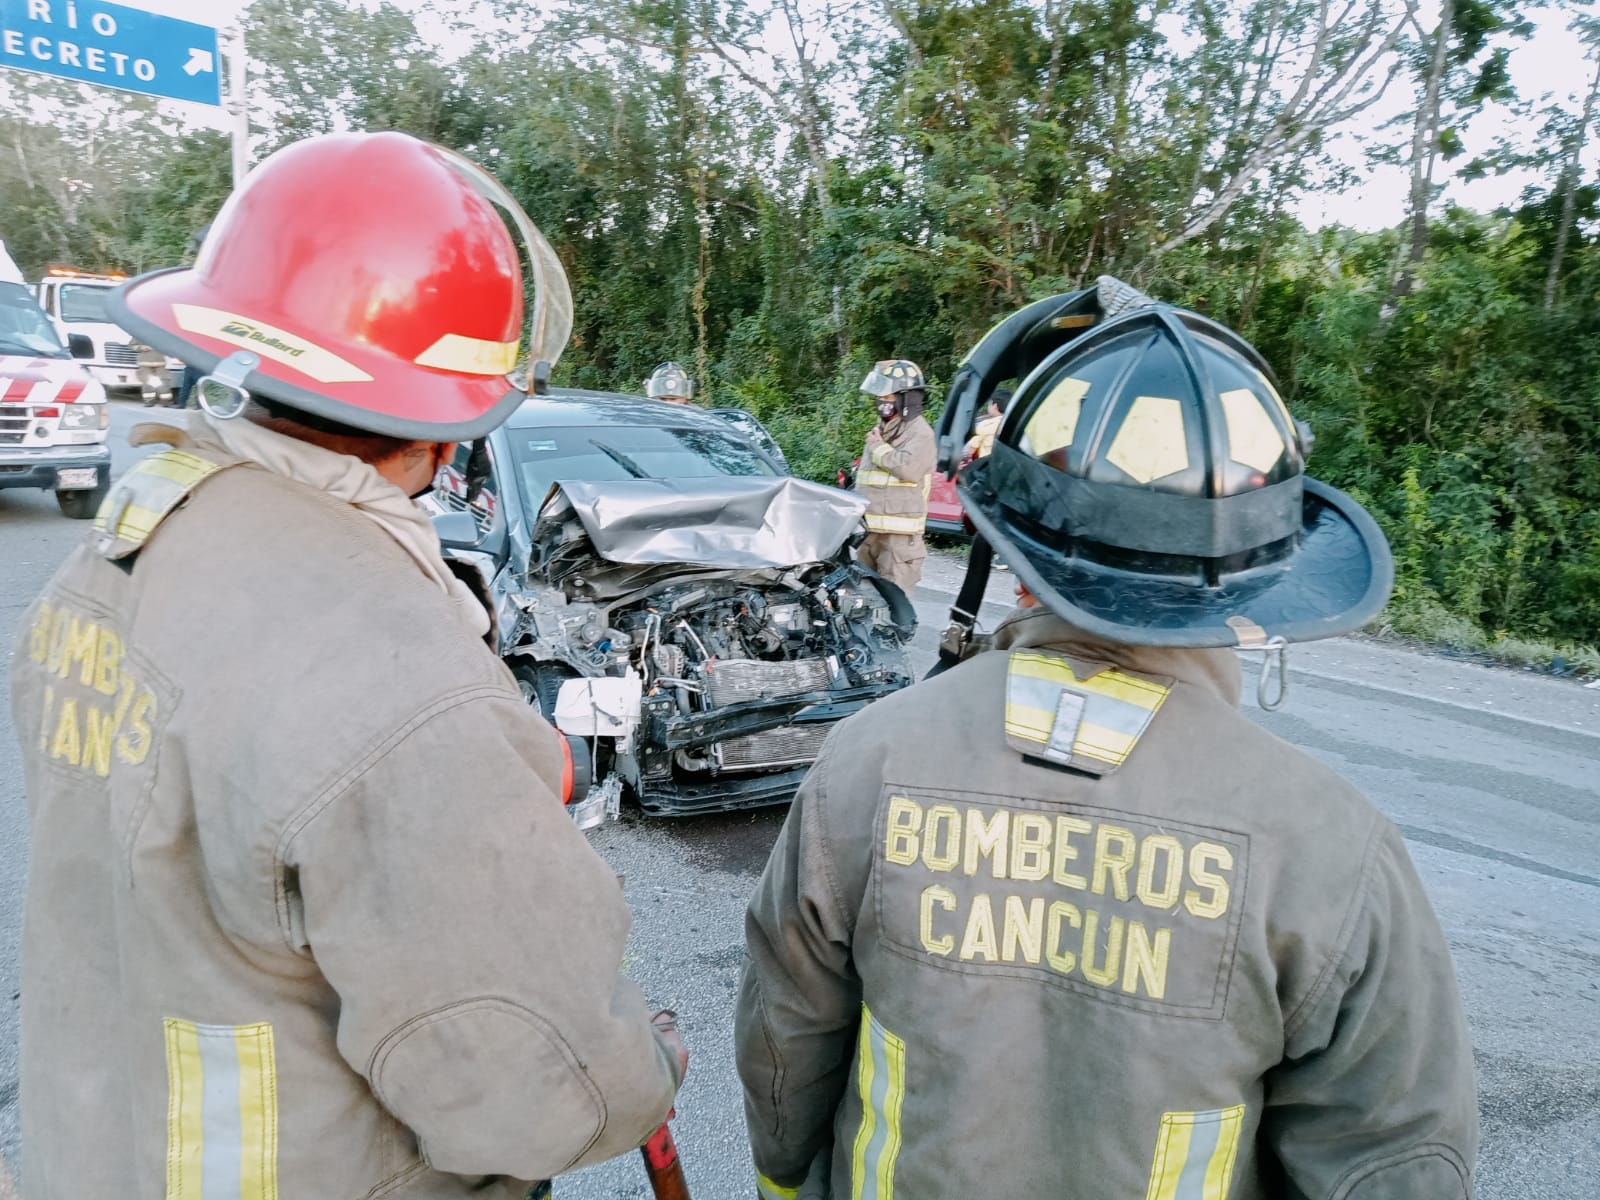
{"x": 305, "y": 914}
{"x": 896, "y": 472}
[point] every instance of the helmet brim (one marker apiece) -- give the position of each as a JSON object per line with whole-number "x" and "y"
{"x": 1338, "y": 580}
{"x": 418, "y": 402}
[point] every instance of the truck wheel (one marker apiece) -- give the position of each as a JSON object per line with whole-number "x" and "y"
{"x": 540, "y": 684}
{"x": 82, "y": 505}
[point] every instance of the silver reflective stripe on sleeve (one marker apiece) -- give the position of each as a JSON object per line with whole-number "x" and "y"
{"x": 222, "y": 1112}
{"x": 1195, "y": 1154}
{"x": 881, "y": 1080}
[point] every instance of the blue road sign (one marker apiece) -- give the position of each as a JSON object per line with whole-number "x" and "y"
{"x": 113, "y": 46}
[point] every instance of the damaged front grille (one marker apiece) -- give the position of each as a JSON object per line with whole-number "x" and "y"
{"x": 737, "y": 680}
{"x": 740, "y": 680}
{"x": 793, "y": 746}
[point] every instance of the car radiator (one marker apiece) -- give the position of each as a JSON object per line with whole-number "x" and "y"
{"x": 738, "y": 680}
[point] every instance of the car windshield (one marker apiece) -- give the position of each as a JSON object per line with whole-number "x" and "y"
{"x": 24, "y": 329}
{"x": 83, "y": 302}
{"x": 545, "y": 457}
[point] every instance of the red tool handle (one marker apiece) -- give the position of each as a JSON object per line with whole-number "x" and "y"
{"x": 662, "y": 1165}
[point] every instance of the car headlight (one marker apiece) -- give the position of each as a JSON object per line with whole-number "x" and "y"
{"x": 85, "y": 416}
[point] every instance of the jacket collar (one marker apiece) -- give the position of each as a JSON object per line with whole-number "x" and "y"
{"x": 1214, "y": 671}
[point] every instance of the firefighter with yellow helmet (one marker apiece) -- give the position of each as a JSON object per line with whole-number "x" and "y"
{"x": 1091, "y": 930}
{"x": 896, "y": 472}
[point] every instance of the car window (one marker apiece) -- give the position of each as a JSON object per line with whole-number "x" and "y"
{"x": 546, "y": 457}
{"x": 23, "y": 328}
{"x": 450, "y": 489}
{"x": 79, "y": 302}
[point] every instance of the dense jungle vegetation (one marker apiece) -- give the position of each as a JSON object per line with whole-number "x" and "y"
{"x": 778, "y": 192}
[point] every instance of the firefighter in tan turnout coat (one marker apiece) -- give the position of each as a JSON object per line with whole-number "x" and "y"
{"x": 1088, "y": 931}
{"x": 305, "y": 915}
{"x": 895, "y": 474}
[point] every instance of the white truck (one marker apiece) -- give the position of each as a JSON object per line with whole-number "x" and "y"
{"x": 53, "y": 413}
{"x": 75, "y": 302}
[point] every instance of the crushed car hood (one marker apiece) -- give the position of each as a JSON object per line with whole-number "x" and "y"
{"x": 730, "y": 523}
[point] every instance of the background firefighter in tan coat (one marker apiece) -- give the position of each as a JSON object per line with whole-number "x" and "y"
{"x": 896, "y": 472}
{"x": 1091, "y": 932}
{"x": 305, "y": 915}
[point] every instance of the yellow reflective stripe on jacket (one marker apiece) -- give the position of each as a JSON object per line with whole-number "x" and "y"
{"x": 768, "y": 1190}
{"x": 876, "y": 478}
{"x": 222, "y": 1112}
{"x": 1195, "y": 1152}
{"x": 881, "y": 1080}
{"x": 882, "y": 523}
{"x": 143, "y": 497}
{"x": 1091, "y": 723}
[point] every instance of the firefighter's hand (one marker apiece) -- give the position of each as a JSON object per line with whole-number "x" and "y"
{"x": 666, "y": 1023}
{"x": 874, "y": 437}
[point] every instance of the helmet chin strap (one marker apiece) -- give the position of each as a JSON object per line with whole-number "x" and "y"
{"x": 964, "y": 613}
{"x": 227, "y": 377}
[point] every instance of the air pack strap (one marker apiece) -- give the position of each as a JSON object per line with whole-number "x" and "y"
{"x": 1086, "y": 716}
{"x": 964, "y": 613}
{"x": 146, "y": 496}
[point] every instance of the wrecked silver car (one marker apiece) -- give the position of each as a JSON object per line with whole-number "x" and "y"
{"x": 665, "y": 593}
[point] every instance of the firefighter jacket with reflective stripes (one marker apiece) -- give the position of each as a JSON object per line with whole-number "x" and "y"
{"x": 1061, "y": 921}
{"x": 305, "y": 915}
{"x": 895, "y": 475}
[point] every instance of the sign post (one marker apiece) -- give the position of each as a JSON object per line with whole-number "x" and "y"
{"x": 239, "y": 102}
{"x": 113, "y": 46}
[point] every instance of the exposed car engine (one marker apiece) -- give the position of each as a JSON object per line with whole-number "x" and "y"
{"x": 738, "y": 672}
{"x": 692, "y": 621}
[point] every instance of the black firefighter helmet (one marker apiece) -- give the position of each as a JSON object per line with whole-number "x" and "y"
{"x": 1148, "y": 485}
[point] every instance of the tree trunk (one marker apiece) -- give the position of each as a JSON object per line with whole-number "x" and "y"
{"x": 1569, "y": 190}
{"x": 903, "y": 27}
{"x": 1425, "y": 148}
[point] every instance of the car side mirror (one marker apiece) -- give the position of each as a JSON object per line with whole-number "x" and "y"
{"x": 79, "y": 345}
{"x": 456, "y": 530}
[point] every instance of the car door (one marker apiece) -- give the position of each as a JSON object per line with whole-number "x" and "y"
{"x": 491, "y": 558}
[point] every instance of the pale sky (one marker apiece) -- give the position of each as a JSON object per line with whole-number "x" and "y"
{"x": 1550, "y": 65}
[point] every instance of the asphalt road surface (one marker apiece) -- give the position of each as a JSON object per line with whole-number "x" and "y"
{"x": 1493, "y": 776}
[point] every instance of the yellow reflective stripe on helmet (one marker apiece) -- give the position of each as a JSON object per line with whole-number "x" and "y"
{"x": 1055, "y": 422}
{"x": 1195, "y": 1153}
{"x": 1253, "y": 436}
{"x": 470, "y": 355}
{"x": 1093, "y": 723}
{"x": 147, "y": 493}
{"x": 881, "y": 523}
{"x": 768, "y": 1190}
{"x": 881, "y": 1082}
{"x": 280, "y": 345}
{"x": 885, "y": 479}
{"x": 222, "y": 1112}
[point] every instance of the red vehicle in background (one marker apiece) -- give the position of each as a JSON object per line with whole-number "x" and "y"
{"x": 945, "y": 514}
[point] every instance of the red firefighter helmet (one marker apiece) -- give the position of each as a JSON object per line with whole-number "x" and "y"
{"x": 367, "y": 279}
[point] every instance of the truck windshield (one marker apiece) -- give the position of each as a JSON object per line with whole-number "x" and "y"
{"x": 23, "y": 327}
{"x": 83, "y": 302}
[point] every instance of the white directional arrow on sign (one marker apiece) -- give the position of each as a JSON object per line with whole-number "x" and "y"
{"x": 199, "y": 60}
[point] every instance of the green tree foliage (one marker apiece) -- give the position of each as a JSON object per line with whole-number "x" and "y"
{"x": 780, "y": 192}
